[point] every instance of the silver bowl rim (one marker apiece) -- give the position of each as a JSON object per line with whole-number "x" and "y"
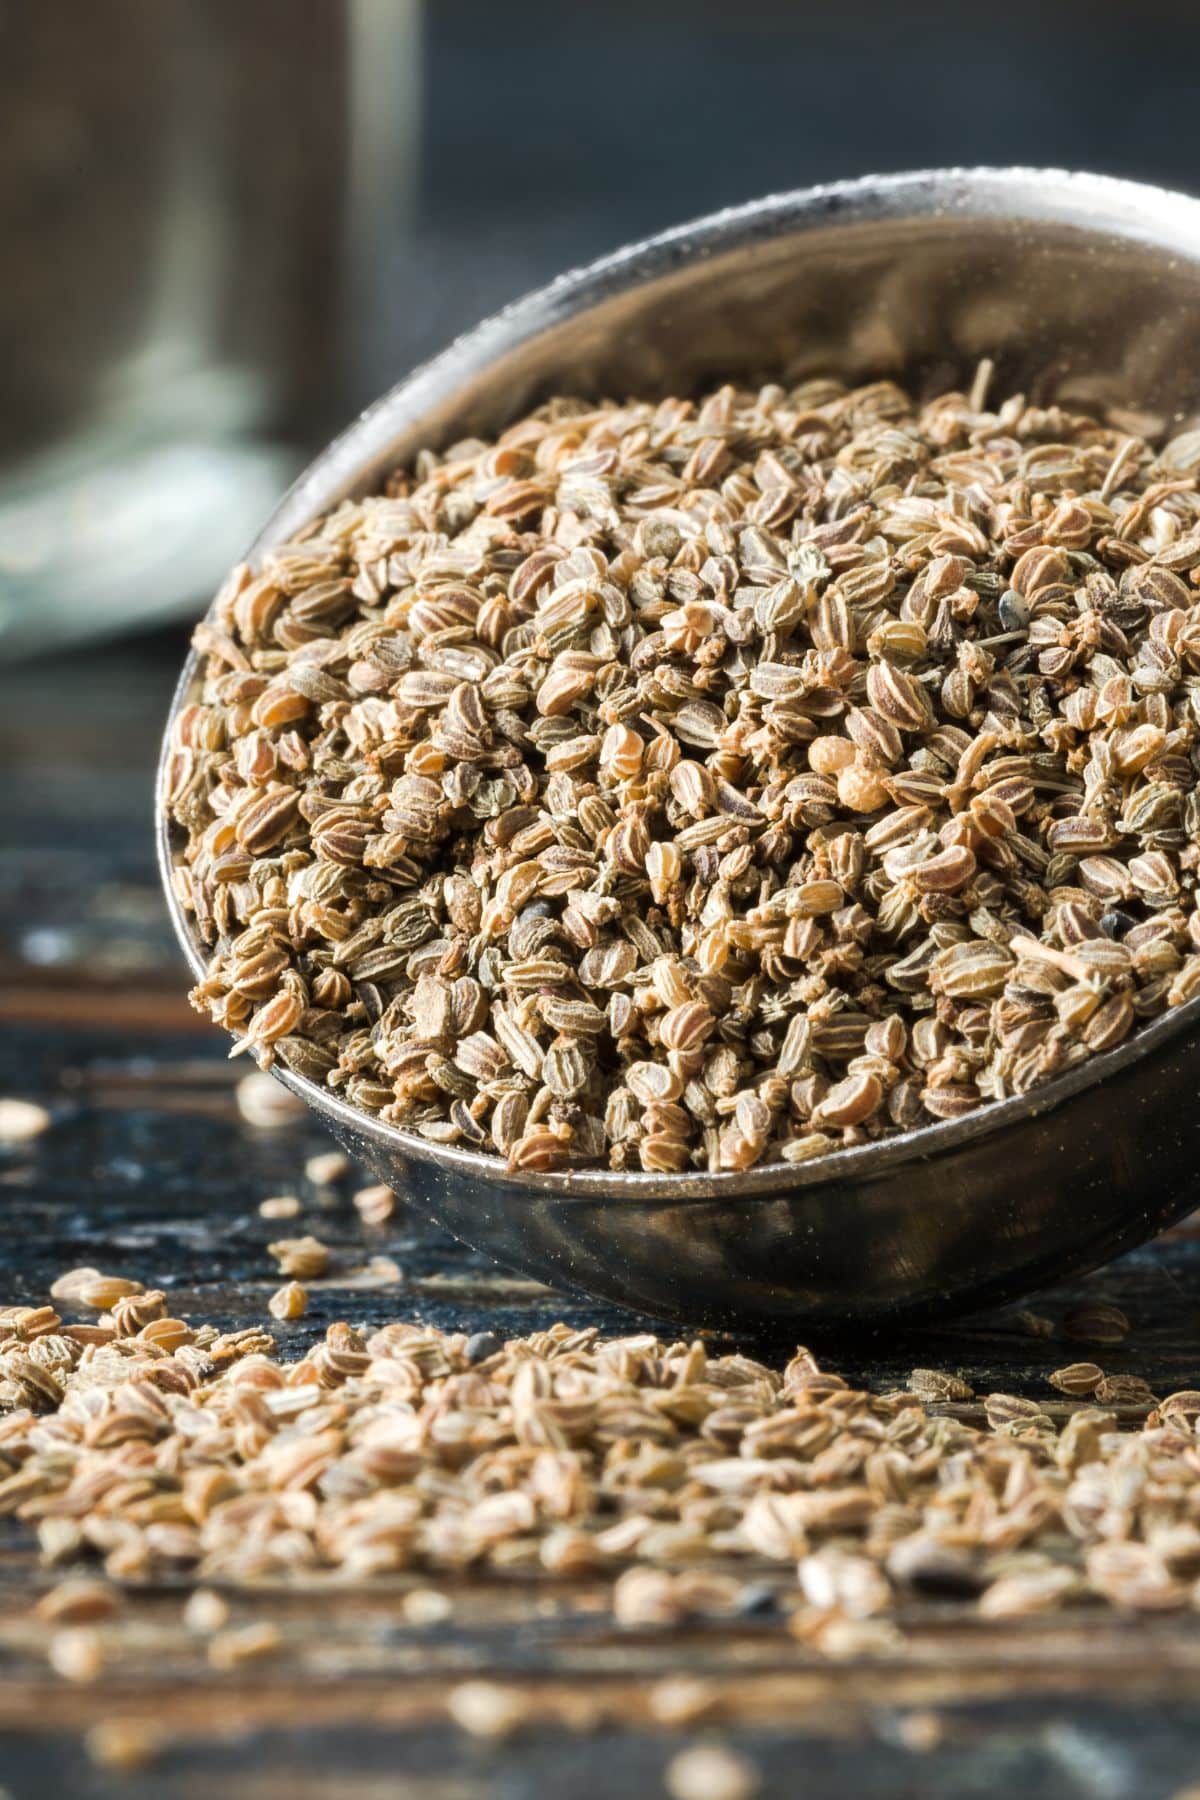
{"x": 1102, "y": 204}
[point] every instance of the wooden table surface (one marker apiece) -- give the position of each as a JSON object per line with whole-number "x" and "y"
{"x": 149, "y": 1170}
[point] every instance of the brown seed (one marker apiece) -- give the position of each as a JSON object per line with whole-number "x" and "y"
{"x": 327, "y": 1168}
{"x": 711, "y": 1772}
{"x": 1124, "y": 1390}
{"x": 205, "y": 1612}
{"x": 861, "y": 789}
{"x": 943, "y": 873}
{"x": 897, "y": 696}
{"x": 288, "y": 1302}
{"x": 267, "y": 819}
{"x": 78, "y": 1602}
{"x": 279, "y": 1206}
{"x": 682, "y": 1700}
{"x": 686, "y": 1027}
{"x": 1077, "y": 1378}
{"x": 124, "y": 1744}
{"x": 265, "y": 1102}
{"x": 67, "y": 1286}
{"x": 932, "y": 1384}
{"x": 21, "y": 1120}
{"x": 849, "y": 1102}
{"x": 301, "y": 1257}
{"x": 487, "y": 1709}
{"x": 1096, "y": 1323}
{"x": 77, "y": 1654}
{"x": 244, "y": 1643}
{"x": 1016, "y": 1596}
{"x": 830, "y": 755}
{"x": 921, "y": 1731}
{"x": 426, "y": 1606}
{"x": 375, "y": 1205}
{"x": 814, "y": 898}
{"x": 1008, "y": 1409}
{"x": 88, "y": 1287}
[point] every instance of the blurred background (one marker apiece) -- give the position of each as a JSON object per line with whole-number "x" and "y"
{"x": 229, "y": 224}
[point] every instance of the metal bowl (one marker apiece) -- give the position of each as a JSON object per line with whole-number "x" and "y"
{"x": 1080, "y": 288}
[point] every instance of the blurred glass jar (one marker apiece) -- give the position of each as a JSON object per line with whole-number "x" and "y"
{"x": 195, "y": 200}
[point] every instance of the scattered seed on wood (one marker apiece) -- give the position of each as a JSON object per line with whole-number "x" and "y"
{"x": 327, "y": 1168}
{"x": 712, "y": 1772}
{"x": 265, "y": 1102}
{"x": 288, "y": 1302}
{"x": 1124, "y": 1390}
{"x": 88, "y": 1287}
{"x": 487, "y": 1709}
{"x": 301, "y": 1257}
{"x": 78, "y": 1602}
{"x": 205, "y": 1612}
{"x": 683, "y": 1700}
{"x": 244, "y": 1643}
{"x": 921, "y": 1731}
{"x": 124, "y": 1744}
{"x": 375, "y": 1205}
{"x": 665, "y": 1470}
{"x": 76, "y": 1654}
{"x": 280, "y": 1206}
{"x": 426, "y": 1606}
{"x": 1096, "y": 1323}
{"x": 1077, "y": 1378}
{"x": 21, "y": 1120}
{"x": 933, "y": 1384}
